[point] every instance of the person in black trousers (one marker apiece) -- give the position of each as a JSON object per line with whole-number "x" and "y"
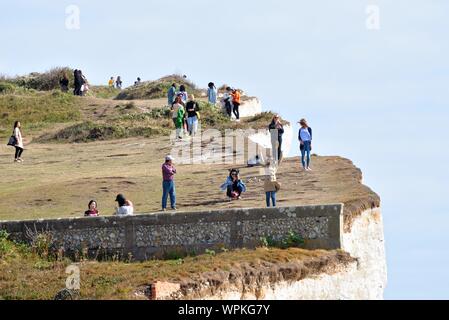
{"x": 276, "y": 130}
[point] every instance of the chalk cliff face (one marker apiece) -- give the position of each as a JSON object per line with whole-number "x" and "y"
{"x": 365, "y": 278}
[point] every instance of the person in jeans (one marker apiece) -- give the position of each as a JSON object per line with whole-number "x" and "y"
{"x": 171, "y": 94}
{"x": 233, "y": 185}
{"x": 305, "y": 140}
{"x": 212, "y": 93}
{"x": 19, "y": 142}
{"x": 276, "y": 130}
{"x": 227, "y": 100}
{"x": 192, "y": 108}
{"x": 168, "y": 183}
{"x": 271, "y": 186}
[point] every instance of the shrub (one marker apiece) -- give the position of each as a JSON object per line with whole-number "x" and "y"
{"x": 45, "y": 81}
{"x": 292, "y": 239}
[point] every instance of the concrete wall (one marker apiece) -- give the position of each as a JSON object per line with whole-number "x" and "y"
{"x": 156, "y": 235}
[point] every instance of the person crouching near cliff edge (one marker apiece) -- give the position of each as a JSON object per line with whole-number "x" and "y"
{"x": 233, "y": 185}
{"x": 271, "y": 185}
{"x": 305, "y": 141}
{"x": 168, "y": 183}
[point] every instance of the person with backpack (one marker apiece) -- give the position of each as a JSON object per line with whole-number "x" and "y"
{"x": 276, "y": 130}
{"x": 236, "y": 101}
{"x": 183, "y": 93}
{"x": 192, "y": 109}
{"x": 171, "y": 94}
{"x": 18, "y": 141}
{"x": 168, "y": 183}
{"x": 233, "y": 185}
{"x": 212, "y": 93}
{"x": 305, "y": 140}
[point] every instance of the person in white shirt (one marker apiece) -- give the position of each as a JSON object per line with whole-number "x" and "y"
{"x": 125, "y": 207}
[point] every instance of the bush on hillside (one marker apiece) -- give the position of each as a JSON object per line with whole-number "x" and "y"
{"x": 45, "y": 81}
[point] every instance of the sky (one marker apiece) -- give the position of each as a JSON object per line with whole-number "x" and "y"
{"x": 373, "y": 90}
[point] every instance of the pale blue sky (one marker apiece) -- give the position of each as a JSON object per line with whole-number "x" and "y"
{"x": 379, "y": 98}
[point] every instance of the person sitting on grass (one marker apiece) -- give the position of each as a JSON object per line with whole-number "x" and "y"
{"x": 125, "y": 207}
{"x": 233, "y": 185}
{"x": 93, "y": 211}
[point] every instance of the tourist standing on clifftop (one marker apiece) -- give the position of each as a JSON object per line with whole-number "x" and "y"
{"x": 271, "y": 186}
{"x": 18, "y": 143}
{"x": 183, "y": 93}
{"x": 227, "y": 100}
{"x": 236, "y": 100}
{"x": 111, "y": 82}
{"x": 305, "y": 140}
{"x": 168, "y": 183}
{"x": 64, "y": 83}
{"x": 192, "y": 109}
{"x": 171, "y": 94}
{"x": 276, "y": 130}
{"x": 177, "y": 111}
{"x": 78, "y": 82}
{"x": 118, "y": 82}
{"x": 212, "y": 93}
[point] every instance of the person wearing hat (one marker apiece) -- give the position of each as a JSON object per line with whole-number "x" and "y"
{"x": 125, "y": 207}
{"x": 305, "y": 141}
{"x": 168, "y": 183}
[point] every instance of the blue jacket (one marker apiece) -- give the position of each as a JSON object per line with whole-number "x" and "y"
{"x": 212, "y": 95}
{"x": 171, "y": 95}
{"x": 228, "y": 183}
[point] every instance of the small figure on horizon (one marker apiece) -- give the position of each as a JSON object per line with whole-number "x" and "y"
{"x": 118, "y": 82}
{"x": 305, "y": 141}
{"x": 92, "y": 209}
{"x": 183, "y": 93}
{"x": 125, "y": 207}
{"x": 64, "y": 83}
{"x": 233, "y": 185}
{"x": 177, "y": 113}
{"x": 227, "y": 101}
{"x": 212, "y": 93}
{"x": 236, "y": 100}
{"x": 171, "y": 94}
{"x": 192, "y": 109}
{"x": 111, "y": 82}
{"x": 17, "y": 141}
{"x": 168, "y": 183}
{"x": 138, "y": 82}
{"x": 78, "y": 76}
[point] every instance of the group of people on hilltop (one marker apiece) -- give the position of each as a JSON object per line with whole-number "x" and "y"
{"x": 115, "y": 83}
{"x": 184, "y": 111}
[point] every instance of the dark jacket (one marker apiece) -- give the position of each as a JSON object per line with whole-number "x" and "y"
{"x": 299, "y": 137}
{"x": 272, "y": 126}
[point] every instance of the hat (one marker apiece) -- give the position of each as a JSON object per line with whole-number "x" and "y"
{"x": 120, "y": 198}
{"x": 169, "y": 158}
